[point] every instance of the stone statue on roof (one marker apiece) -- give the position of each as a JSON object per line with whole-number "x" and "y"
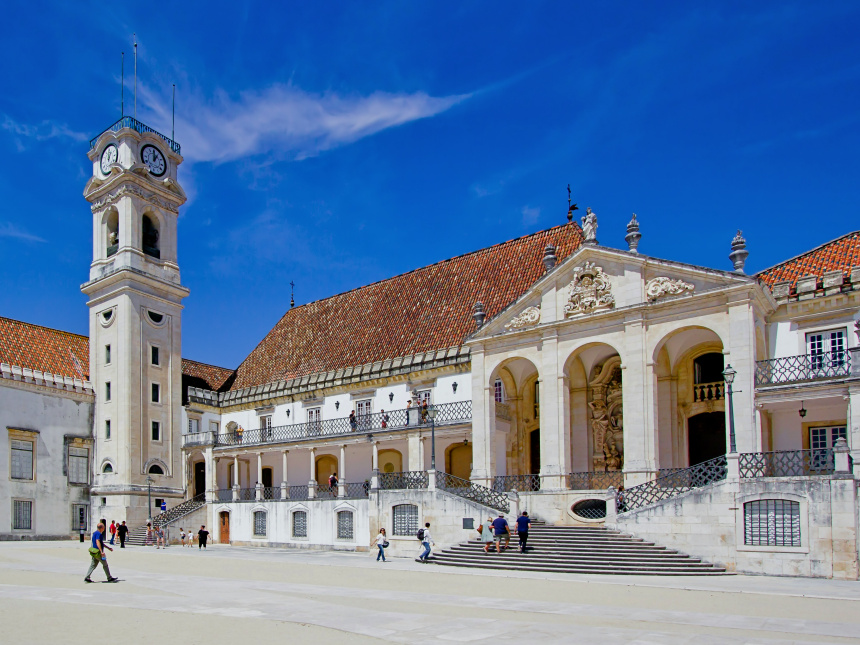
{"x": 589, "y": 226}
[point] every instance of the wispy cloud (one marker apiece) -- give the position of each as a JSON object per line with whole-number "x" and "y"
{"x": 530, "y": 215}
{"x": 40, "y": 132}
{"x": 288, "y": 121}
{"x": 7, "y": 229}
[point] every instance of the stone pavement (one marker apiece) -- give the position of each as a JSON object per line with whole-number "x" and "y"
{"x": 233, "y": 594}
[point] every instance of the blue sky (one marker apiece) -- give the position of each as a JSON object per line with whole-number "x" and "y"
{"x": 339, "y": 143}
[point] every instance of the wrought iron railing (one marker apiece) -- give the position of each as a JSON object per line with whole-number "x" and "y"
{"x": 326, "y": 492}
{"x": 709, "y": 391}
{"x": 137, "y": 126}
{"x": 272, "y": 492}
{"x": 408, "y": 480}
{"x": 806, "y": 367}
{"x": 521, "y": 483}
{"x": 224, "y": 495}
{"x": 247, "y": 494}
{"x": 474, "y": 492}
{"x": 447, "y": 414}
{"x": 357, "y": 490}
{"x": 598, "y": 480}
{"x": 180, "y": 510}
{"x": 299, "y": 493}
{"x": 503, "y": 411}
{"x": 786, "y": 463}
{"x": 671, "y": 485}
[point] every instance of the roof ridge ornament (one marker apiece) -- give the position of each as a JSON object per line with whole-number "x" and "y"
{"x": 739, "y": 253}
{"x": 549, "y": 257}
{"x": 589, "y": 227}
{"x": 478, "y": 314}
{"x": 633, "y": 235}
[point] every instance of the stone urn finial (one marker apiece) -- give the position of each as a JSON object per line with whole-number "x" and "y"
{"x": 633, "y": 235}
{"x": 478, "y": 314}
{"x": 549, "y": 258}
{"x": 739, "y": 253}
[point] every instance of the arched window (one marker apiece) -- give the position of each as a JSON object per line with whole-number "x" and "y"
{"x": 344, "y": 525}
{"x": 259, "y": 523}
{"x": 107, "y": 468}
{"x": 405, "y": 520}
{"x": 149, "y": 233}
{"x": 155, "y": 469}
{"x": 772, "y": 522}
{"x": 112, "y": 239}
{"x": 300, "y": 524}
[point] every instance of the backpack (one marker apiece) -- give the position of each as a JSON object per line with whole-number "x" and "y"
{"x": 420, "y": 534}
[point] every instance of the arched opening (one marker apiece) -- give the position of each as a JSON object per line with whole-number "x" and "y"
{"x": 155, "y": 469}
{"x": 107, "y": 468}
{"x": 149, "y": 236}
{"x": 390, "y": 461}
{"x": 326, "y": 467}
{"x": 112, "y": 232}
{"x": 199, "y": 478}
{"x": 514, "y": 441}
{"x": 706, "y": 436}
{"x": 458, "y": 460}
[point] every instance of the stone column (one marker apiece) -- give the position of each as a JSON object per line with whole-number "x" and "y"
{"x": 412, "y": 443}
{"x": 259, "y": 484}
{"x": 421, "y": 460}
{"x": 341, "y": 482}
{"x": 854, "y": 412}
{"x": 211, "y": 476}
{"x": 552, "y": 444}
{"x": 741, "y": 355}
{"x": 285, "y": 482}
{"x": 482, "y": 459}
{"x": 637, "y": 387}
{"x": 374, "y": 480}
{"x": 236, "y": 471}
{"x": 312, "y": 484}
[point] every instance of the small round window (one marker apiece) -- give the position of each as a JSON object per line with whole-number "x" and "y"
{"x": 156, "y": 470}
{"x": 590, "y": 509}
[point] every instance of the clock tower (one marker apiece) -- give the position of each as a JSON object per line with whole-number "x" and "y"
{"x": 135, "y": 297}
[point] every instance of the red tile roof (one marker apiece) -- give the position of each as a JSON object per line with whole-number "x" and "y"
{"x": 205, "y": 376}
{"x": 44, "y": 349}
{"x": 424, "y": 310}
{"x": 841, "y": 254}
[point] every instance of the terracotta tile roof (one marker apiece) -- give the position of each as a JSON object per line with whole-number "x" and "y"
{"x": 44, "y": 349}
{"x": 203, "y": 375}
{"x": 842, "y": 253}
{"x": 424, "y": 310}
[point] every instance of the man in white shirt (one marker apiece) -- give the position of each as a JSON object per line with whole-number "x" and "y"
{"x": 426, "y": 541}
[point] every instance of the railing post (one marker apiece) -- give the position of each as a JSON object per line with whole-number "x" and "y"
{"x": 514, "y": 501}
{"x": 733, "y": 468}
{"x": 312, "y": 489}
{"x": 840, "y": 456}
{"x": 258, "y": 493}
{"x": 431, "y": 480}
{"x": 235, "y": 492}
{"x": 611, "y": 519}
{"x": 284, "y": 490}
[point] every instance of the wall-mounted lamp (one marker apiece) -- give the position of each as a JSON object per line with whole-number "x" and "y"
{"x": 337, "y": 405}
{"x": 454, "y": 385}
{"x": 288, "y": 413}
{"x": 802, "y": 411}
{"x": 391, "y": 397}
{"x": 465, "y": 442}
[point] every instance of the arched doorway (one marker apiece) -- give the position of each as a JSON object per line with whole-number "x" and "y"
{"x": 199, "y": 478}
{"x": 326, "y": 467}
{"x": 390, "y": 461}
{"x": 460, "y": 460}
{"x": 706, "y": 436}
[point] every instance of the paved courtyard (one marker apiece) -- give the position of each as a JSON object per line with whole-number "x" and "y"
{"x": 242, "y": 595}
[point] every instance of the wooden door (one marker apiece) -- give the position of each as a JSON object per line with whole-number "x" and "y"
{"x": 224, "y": 533}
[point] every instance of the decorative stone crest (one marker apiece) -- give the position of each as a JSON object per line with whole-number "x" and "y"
{"x": 657, "y": 288}
{"x": 590, "y": 291}
{"x": 528, "y": 318}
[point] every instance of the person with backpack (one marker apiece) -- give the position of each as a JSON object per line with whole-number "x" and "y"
{"x": 332, "y": 484}
{"x": 426, "y": 540}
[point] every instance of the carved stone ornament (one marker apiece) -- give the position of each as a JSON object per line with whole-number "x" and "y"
{"x": 590, "y": 291}
{"x": 528, "y": 318}
{"x": 656, "y": 288}
{"x": 134, "y": 190}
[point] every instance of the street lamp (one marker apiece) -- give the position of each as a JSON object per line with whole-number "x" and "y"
{"x": 149, "y": 481}
{"x": 729, "y": 376}
{"x": 432, "y": 412}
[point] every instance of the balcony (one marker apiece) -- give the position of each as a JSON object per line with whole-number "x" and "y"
{"x": 137, "y": 126}
{"x": 709, "y": 391}
{"x": 806, "y": 367}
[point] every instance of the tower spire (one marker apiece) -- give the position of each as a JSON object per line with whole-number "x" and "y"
{"x": 122, "y": 86}
{"x": 134, "y": 36}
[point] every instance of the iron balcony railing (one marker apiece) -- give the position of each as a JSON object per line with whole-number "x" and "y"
{"x": 521, "y": 483}
{"x": 408, "y": 480}
{"x": 357, "y": 490}
{"x": 597, "y": 480}
{"x": 671, "y": 485}
{"x": 224, "y": 495}
{"x": 786, "y": 463}
{"x": 272, "y": 492}
{"x": 299, "y": 492}
{"x": 806, "y": 367}
{"x": 137, "y": 126}
{"x": 447, "y": 414}
{"x": 247, "y": 494}
{"x": 709, "y": 391}
{"x": 474, "y": 492}
{"x": 326, "y": 492}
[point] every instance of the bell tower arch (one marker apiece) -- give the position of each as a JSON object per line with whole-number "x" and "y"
{"x": 135, "y": 302}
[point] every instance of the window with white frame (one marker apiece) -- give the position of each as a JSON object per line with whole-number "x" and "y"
{"x": 314, "y": 419}
{"x": 79, "y": 465}
{"x": 213, "y": 427}
{"x": 300, "y": 524}
{"x": 193, "y": 425}
{"x": 259, "y": 523}
{"x": 772, "y": 522}
{"x": 423, "y": 397}
{"x": 826, "y": 349}
{"x": 22, "y": 514}
{"x": 80, "y": 516}
{"x": 363, "y": 410}
{"x": 405, "y": 520}
{"x": 22, "y": 459}
{"x": 822, "y": 440}
{"x": 344, "y": 525}
{"x": 499, "y": 391}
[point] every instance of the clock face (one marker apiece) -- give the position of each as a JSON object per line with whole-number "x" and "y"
{"x": 154, "y": 160}
{"x": 109, "y": 156}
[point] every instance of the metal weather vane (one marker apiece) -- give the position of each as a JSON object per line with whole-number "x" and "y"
{"x": 570, "y": 207}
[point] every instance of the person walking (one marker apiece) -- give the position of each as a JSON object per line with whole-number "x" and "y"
{"x": 426, "y": 540}
{"x": 381, "y": 543}
{"x": 487, "y": 534}
{"x": 424, "y": 412}
{"x": 522, "y": 528}
{"x": 149, "y": 534}
{"x": 159, "y": 537}
{"x": 112, "y": 531}
{"x": 332, "y": 484}
{"x": 501, "y": 528}
{"x": 182, "y": 536}
{"x": 122, "y": 532}
{"x": 97, "y": 554}
{"x": 202, "y": 537}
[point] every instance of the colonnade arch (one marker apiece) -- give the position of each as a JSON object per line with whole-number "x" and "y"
{"x": 514, "y": 446}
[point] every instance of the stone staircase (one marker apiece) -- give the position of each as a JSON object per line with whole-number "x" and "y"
{"x": 137, "y": 537}
{"x": 571, "y": 549}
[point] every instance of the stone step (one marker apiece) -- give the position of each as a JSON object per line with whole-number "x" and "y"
{"x": 562, "y": 555}
{"x": 594, "y": 569}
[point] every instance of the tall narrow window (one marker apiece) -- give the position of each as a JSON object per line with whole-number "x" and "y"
{"x": 156, "y": 431}
{"x": 79, "y": 465}
{"x": 499, "y": 391}
{"x": 155, "y": 357}
{"x": 266, "y": 427}
{"x": 22, "y": 460}
{"x": 300, "y": 524}
{"x": 826, "y": 351}
{"x": 193, "y": 426}
{"x": 107, "y": 429}
{"x": 314, "y": 421}
{"x": 107, "y": 354}
{"x": 156, "y": 393}
{"x": 363, "y": 410}
{"x": 107, "y": 391}
{"x": 22, "y": 515}
{"x": 259, "y": 523}
{"x": 344, "y": 525}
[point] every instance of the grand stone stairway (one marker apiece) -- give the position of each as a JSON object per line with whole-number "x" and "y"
{"x": 569, "y": 549}
{"x": 137, "y": 537}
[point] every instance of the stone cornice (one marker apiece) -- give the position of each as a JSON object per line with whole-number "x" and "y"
{"x": 45, "y": 382}
{"x": 131, "y": 188}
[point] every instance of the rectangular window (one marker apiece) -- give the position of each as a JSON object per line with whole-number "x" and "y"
{"x": 423, "y": 397}
{"x": 155, "y": 356}
{"x": 107, "y": 429}
{"x": 79, "y": 466}
{"x": 821, "y": 442}
{"x": 363, "y": 410}
{"x": 314, "y": 414}
{"x": 259, "y": 524}
{"x": 499, "y": 391}
{"x": 826, "y": 350}
{"x": 22, "y": 460}
{"x": 772, "y": 522}
{"x": 156, "y": 393}
{"x": 537, "y": 399}
{"x": 22, "y": 515}
{"x": 156, "y": 431}
{"x": 193, "y": 426}
{"x": 344, "y": 525}
{"x": 300, "y": 524}
{"x": 406, "y": 520}
{"x": 107, "y": 391}
{"x": 266, "y": 422}
{"x": 80, "y": 516}
{"x": 107, "y": 354}
{"x": 213, "y": 426}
